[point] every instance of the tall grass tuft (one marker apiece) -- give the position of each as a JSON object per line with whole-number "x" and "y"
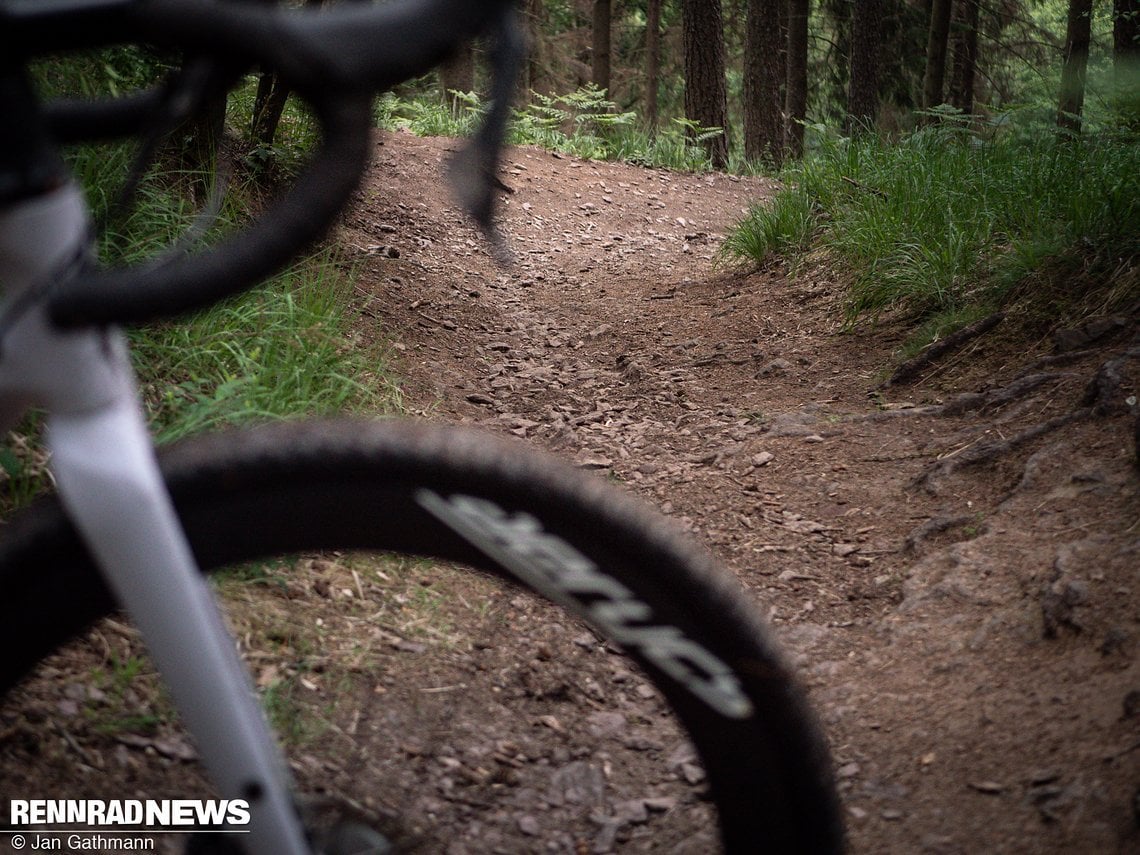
{"x": 784, "y": 226}
{"x": 281, "y": 351}
{"x": 943, "y": 224}
{"x": 285, "y": 349}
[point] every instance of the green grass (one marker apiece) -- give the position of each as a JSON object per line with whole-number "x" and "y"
{"x": 784, "y": 227}
{"x": 946, "y": 226}
{"x": 285, "y": 349}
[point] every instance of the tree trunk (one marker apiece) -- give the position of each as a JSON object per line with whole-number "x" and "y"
{"x": 934, "y": 79}
{"x": 601, "y": 49}
{"x": 268, "y": 106}
{"x": 706, "y": 97}
{"x": 763, "y": 77}
{"x": 835, "y": 69}
{"x": 795, "y": 107}
{"x": 269, "y": 103}
{"x": 652, "y": 61}
{"x": 965, "y": 58}
{"x": 1125, "y": 31}
{"x": 863, "y": 86}
{"x": 1126, "y": 59}
{"x": 1077, "y": 35}
{"x": 458, "y": 73}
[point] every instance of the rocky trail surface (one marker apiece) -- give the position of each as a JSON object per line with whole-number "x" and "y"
{"x": 951, "y": 562}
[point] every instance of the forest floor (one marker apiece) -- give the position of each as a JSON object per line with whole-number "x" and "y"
{"x": 968, "y": 624}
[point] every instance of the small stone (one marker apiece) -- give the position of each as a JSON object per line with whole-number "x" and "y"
{"x": 633, "y": 812}
{"x": 68, "y": 708}
{"x": 602, "y": 724}
{"x": 776, "y": 366}
{"x": 990, "y": 788}
{"x": 763, "y": 458}
{"x": 551, "y": 722}
{"x": 529, "y": 825}
{"x": 692, "y": 773}
{"x": 1132, "y": 704}
{"x": 593, "y": 461}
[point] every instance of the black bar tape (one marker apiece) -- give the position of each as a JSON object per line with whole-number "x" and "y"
{"x": 288, "y": 227}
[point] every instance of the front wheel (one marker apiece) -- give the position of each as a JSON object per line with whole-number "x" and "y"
{"x": 461, "y": 496}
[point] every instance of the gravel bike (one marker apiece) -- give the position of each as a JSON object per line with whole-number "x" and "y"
{"x": 132, "y": 529}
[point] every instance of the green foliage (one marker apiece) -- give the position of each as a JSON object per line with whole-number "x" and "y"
{"x": 946, "y": 226}
{"x": 127, "y": 698}
{"x": 586, "y": 124}
{"x": 23, "y": 467}
{"x": 296, "y": 136}
{"x": 583, "y": 123}
{"x": 282, "y": 350}
{"x": 108, "y": 72}
{"x": 428, "y": 115}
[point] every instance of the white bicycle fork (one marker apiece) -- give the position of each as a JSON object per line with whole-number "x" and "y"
{"x": 105, "y": 468}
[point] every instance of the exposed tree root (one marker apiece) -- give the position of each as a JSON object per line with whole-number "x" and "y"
{"x": 993, "y": 398}
{"x": 1102, "y": 397}
{"x": 989, "y": 451}
{"x": 1055, "y": 360}
{"x": 933, "y": 526}
{"x": 916, "y": 365}
{"x": 969, "y": 401}
{"x": 1103, "y": 391}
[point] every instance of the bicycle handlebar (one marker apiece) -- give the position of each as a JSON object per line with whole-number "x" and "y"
{"x": 335, "y": 59}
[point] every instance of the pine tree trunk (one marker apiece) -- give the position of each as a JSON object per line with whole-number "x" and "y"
{"x": 836, "y": 17}
{"x": 863, "y": 86}
{"x": 652, "y": 61}
{"x": 601, "y": 45}
{"x": 965, "y": 56}
{"x": 795, "y": 106}
{"x": 1077, "y": 35}
{"x": 706, "y": 98}
{"x": 1126, "y": 60}
{"x": 533, "y": 77}
{"x": 269, "y": 103}
{"x": 763, "y": 78}
{"x": 934, "y": 79}
{"x": 458, "y": 73}
{"x": 1125, "y": 32}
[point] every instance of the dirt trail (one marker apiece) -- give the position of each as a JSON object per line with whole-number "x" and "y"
{"x": 969, "y": 635}
{"x": 971, "y": 640}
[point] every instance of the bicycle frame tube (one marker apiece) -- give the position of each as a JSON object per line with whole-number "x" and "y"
{"x": 104, "y": 464}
